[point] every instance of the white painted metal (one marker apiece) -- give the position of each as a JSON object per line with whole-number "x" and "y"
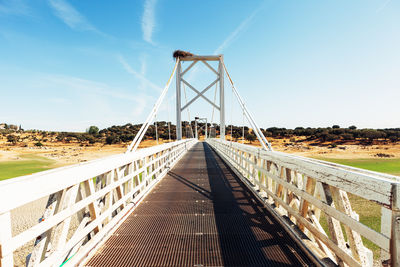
{"x": 178, "y": 103}
{"x": 199, "y": 94}
{"x": 395, "y": 233}
{"x": 221, "y": 99}
{"x": 139, "y": 136}
{"x": 205, "y": 121}
{"x": 207, "y": 58}
{"x": 285, "y": 179}
{"x": 220, "y": 79}
{"x": 123, "y": 180}
{"x": 188, "y": 68}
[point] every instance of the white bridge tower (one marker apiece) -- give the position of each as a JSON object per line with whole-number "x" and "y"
{"x": 219, "y": 79}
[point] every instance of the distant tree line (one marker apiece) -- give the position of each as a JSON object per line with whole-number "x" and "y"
{"x": 336, "y": 133}
{"x": 126, "y": 133}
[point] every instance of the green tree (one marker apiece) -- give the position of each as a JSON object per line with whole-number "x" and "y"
{"x": 93, "y": 130}
{"x": 250, "y": 137}
{"x": 236, "y": 135}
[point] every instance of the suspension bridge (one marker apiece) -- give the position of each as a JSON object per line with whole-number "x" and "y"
{"x": 192, "y": 203}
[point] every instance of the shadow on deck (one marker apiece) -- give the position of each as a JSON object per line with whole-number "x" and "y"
{"x": 200, "y": 214}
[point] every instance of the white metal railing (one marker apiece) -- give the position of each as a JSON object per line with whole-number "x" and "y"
{"x": 300, "y": 190}
{"x": 85, "y": 202}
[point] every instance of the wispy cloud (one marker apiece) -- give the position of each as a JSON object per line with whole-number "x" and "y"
{"x": 14, "y": 7}
{"x": 70, "y": 16}
{"x": 148, "y": 20}
{"x": 383, "y": 6}
{"x": 229, "y": 40}
{"x": 138, "y": 75}
{"x": 89, "y": 86}
{"x": 97, "y": 91}
{"x": 143, "y": 69}
{"x": 233, "y": 35}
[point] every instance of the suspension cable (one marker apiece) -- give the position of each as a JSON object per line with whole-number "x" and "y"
{"x": 139, "y": 136}
{"x": 155, "y": 123}
{"x": 213, "y": 108}
{"x": 212, "y": 114}
{"x": 188, "y": 112}
{"x": 243, "y": 127}
{"x": 263, "y": 141}
{"x": 231, "y": 115}
{"x": 169, "y": 122}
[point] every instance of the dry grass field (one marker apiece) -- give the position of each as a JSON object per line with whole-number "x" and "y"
{"x": 16, "y": 160}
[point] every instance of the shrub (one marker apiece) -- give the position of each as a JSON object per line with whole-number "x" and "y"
{"x": 38, "y": 144}
{"x": 112, "y": 139}
{"x": 383, "y": 155}
{"x": 12, "y": 139}
{"x": 347, "y": 136}
{"x": 93, "y": 130}
{"x": 250, "y": 137}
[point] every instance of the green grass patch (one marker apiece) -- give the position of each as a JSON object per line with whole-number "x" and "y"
{"x": 390, "y": 166}
{"x": 369, "y": 212}
{"x": 28, "y": 164}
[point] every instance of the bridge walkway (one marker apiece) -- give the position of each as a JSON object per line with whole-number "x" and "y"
{"x": 200, "y": 214}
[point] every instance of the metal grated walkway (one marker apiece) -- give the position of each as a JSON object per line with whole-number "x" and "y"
{"x": 200, "y": 214}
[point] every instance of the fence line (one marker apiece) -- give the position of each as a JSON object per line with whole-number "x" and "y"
{"x": 300, "y": 190}
{"x": 85, "y": 202}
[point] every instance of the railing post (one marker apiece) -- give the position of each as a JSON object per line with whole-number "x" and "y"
{"x": 5, "y": 237}
{"x": 395, "y": 236}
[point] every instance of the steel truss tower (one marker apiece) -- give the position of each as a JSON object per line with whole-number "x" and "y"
{"x": 220, "y": 80}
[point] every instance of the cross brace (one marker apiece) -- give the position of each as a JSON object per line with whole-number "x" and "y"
{"x": 200, "y": 94}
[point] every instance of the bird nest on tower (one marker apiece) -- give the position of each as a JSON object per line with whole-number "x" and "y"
{"x": 180, "y": 54}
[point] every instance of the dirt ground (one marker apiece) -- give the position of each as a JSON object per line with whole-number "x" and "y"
{"x": 64, "y": 154}
{"x": 72, "y": 153}
{"x": 345, "y": 151}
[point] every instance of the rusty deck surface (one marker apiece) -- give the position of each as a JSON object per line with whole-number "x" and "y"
{"x": 200, "y": 214}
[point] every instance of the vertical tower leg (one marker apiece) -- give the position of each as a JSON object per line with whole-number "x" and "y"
{"x": 221, "y": 98}
{"x": 178, "y": 103}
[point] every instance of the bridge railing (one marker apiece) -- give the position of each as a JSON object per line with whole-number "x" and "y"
{"x": 304, "y": 192}
{"x": 85, "y": 203}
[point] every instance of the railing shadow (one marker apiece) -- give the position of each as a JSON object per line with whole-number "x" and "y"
{"x": 248, "y": 234}
{"x": 189, "y": 184}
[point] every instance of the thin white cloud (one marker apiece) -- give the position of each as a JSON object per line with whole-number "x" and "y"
{"x": 233, "y": 36}
{"x": 143, "y": 69}
{"x": 88, "y": 86}
{"x": 138, "y": 75}
{"x": 16, "y": 7}
{"x": 383, "y": 6}
{"x": 70, "y": 16}
{"x": 229, "y": 40}
{"x": 97, "y": 92}
{"x": 148, "y": 20}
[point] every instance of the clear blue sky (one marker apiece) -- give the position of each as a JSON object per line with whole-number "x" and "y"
{"x": 66, "y": 65}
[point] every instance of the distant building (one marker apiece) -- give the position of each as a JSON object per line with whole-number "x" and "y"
{"x": 2, "y": 126}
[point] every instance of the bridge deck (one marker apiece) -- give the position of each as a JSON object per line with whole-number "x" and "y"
{"x": 200, "y": 214}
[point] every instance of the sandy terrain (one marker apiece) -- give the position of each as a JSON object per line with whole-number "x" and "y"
{"x": 345, "y": 151}
{"x": 64, "y": 154}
